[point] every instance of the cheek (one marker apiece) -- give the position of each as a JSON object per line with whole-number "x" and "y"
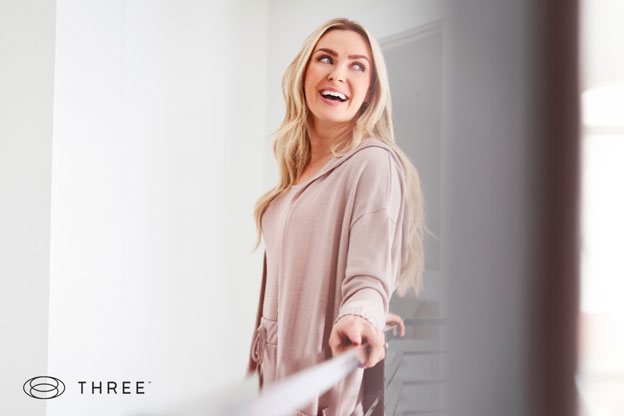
{"x": 362, "y": 89}
{"x": 311, "y": 78}
{"x": 308, "y": 90}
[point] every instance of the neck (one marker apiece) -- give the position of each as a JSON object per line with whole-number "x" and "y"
{"x": 325, "y": 134}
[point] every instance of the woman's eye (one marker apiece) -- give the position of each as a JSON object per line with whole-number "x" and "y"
{"x": 325, "y": 59}
{"x": 359, "y": 66}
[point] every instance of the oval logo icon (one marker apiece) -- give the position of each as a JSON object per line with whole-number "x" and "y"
{"x": 44, "y": 387}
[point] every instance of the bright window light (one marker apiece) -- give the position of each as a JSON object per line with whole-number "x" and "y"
{"x": 600, "y": 377}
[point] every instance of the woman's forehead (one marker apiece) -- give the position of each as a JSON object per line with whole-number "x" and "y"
{"x": 344, "y": 41}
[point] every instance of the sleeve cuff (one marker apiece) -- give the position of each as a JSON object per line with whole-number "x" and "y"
{"x": 372, "y": 311}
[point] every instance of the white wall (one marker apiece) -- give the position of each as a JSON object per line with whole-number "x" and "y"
{"x": 26, "y": 88}
{"x": 158, "y": 122}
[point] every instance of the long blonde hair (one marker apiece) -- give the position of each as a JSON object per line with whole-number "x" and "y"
{"x": 292, "y": 145}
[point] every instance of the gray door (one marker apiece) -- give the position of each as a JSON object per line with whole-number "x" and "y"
{"x": 414, "y": 376}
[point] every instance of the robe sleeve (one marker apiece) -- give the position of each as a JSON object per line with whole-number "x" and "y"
{"x": 373, "y": 256}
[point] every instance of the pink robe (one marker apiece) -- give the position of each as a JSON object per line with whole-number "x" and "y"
{"x": 334, "y": 245}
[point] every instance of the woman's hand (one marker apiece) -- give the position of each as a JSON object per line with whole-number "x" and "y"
{"x": 394, "y": 321}
{"x": 351, "y": 331}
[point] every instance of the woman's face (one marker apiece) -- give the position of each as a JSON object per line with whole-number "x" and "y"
{"x": 338, "y": 76}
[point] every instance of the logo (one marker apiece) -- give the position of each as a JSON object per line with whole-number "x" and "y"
{"x": 44, "y": 387}
{"x": 125, "y": 387}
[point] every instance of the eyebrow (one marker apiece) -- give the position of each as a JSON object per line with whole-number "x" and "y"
{"x": 334, "y": 53}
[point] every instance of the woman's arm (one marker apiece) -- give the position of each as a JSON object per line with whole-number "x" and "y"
{"x": 373, "y": 257}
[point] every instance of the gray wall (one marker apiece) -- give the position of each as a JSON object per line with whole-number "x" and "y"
{"x": 490, "y": 203}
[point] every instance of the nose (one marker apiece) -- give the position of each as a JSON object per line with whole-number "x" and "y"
{"x": 337, "y": 74}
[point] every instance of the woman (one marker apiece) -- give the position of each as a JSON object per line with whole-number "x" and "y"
{"x": 343, "y": 227}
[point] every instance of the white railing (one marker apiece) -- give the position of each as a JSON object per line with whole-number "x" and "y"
{"x": 297, "y": 390}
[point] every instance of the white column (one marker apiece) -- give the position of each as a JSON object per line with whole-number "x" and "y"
{"x": 26, "y": 88}
{"x": 158, "y": 124}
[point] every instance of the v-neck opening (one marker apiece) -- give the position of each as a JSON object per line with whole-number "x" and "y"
{"x": 316, "y": 175}
{"x": 333, "y": 160}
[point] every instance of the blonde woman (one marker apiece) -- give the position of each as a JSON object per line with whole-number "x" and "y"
{"x": 343, "y": 227}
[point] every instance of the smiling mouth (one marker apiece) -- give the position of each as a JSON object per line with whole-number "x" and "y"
{"x": 334, "y": 95}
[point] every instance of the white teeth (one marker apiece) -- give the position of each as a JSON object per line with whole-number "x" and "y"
{"x": 334, "y": 94}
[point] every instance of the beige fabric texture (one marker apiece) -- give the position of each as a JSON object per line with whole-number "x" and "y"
{"x": 334, "y": 245}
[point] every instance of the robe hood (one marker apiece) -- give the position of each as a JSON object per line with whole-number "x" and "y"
{"x": 335, "y": 162}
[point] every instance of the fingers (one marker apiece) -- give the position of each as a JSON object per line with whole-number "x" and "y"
{"x": 345, "y": 335}
{"x": 375, "y": 340}
{"x": 395, "y": 320}
{"x": 334, "y": 342}
{"x": 375, "y": 348}
{"x": 352, "y": 331}
{"x": 353, "y": 335}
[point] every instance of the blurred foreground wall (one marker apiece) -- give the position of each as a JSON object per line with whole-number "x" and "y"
{"x": 510, "y": 223}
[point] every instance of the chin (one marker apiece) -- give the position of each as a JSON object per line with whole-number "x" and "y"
{"x": 334, "y": 118}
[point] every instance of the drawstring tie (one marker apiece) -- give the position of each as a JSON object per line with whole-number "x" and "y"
{"x": 259, "y": 343}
